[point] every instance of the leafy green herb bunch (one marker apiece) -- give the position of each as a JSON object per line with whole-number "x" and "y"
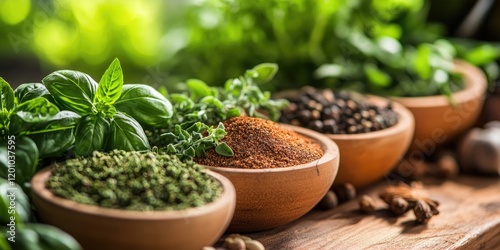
{"x": 198, "y": 112}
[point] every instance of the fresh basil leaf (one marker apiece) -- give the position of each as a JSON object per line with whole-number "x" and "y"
{"x": 126, "y": 134}
{"x": 90, "y": 134}
{"x": 26, "y": 239}
{"x": 25, "y": 154}
{"x": 62, "y": 120}
{"x": 6, "y": 96}
{"x": 198, "y": 89}
{"x": 145, "y": 104}
{"x": 265, "y": 72}
{"x": 29, "y": 113}
{"x": 54, "y": 143}
{"x": 51, "y": 237}
{"x": 224, "y": 150}
{"x": 28, "y": 91}
{"x": 110, "y": 85}
{"x": 22, "y": 207}
{"x": 72, "y": 90}
{"x": 3, "y": 242}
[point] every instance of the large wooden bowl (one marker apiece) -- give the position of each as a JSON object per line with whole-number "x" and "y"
{"x": 367, "y": 157}
{"x": 269, "y": 198}
{"x": 437, "y": 121}
{"x": 103, "y": 228}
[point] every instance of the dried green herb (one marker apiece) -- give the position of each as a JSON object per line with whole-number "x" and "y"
{"x": 134, "y": 181}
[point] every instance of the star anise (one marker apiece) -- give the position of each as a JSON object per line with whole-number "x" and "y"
{"x": 402, "y": 198}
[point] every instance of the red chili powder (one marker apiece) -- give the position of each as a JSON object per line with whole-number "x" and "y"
{"x": 259, "y": 143}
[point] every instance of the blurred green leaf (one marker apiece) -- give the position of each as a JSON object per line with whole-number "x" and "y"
{"x": 482, "y": 54}
{"x": 376, "y": 76}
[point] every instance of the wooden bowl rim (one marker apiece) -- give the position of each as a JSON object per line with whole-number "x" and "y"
{"x": 475, "y": 87}
{"x": 330, "y": 152}
{"x": 227, "y": 197}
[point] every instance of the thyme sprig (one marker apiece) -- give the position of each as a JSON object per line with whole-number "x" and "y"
{"x": 196, "y": 122}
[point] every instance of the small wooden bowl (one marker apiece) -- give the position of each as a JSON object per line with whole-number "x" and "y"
{"x": 269, "y": 198}
{"x": 367, "y": 157}
{"x": 103, "y": 228}
{"x": 437, "y": 121}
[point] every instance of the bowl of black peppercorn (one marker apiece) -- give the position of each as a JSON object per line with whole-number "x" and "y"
{"x": 372, "y": 133}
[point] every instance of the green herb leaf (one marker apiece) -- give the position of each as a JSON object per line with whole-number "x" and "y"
{"x": 126, "y": 134}
{"x": 482, "y": 54}
{"x": 26, "y": 158}
{"x": 72, "y": 90}
{"x": 54, "y": 143}
{"x": 22, "y": 206}
{"x": 145, "y": 104}
{"x": 51, "y": 237}
{"x": 377, "y": 77}
{"x": 6, "y": 96}
{"x": 41, "y": 236}
{"x": 224, "y": 150}
{"x": 28, "y": 91}
{"x": 265, "y": 72}
{"x": 422, "y": 65}
{"x": 3, "y": 240}
{"x": 55, "y": 135}
{"x": 198, "y": 89}
{"x": 110, "y": 85}
{"x": 30, "y": 113}
{"x": 90, "y": 134}
{"x": 61, "y": 120}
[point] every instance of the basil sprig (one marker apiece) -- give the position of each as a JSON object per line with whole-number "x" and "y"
{"x": 31, "y": 128}
{"x": 113, "y": 114}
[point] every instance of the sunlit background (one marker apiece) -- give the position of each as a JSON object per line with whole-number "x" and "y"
{"x": 163, "y": 42}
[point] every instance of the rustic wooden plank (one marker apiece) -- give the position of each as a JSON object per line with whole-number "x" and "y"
{"x": 469, "y": 219}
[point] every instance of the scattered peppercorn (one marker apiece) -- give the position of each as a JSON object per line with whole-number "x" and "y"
{"x": 328, "y": 201}
{"x": 134, "y": 181}
{"x": 237, "y": 242}
{"x": 258, "y": 143}
{"x": 444, "y": 166}
{"x": 345, "y": 192}
{"x": 336, "y": 112}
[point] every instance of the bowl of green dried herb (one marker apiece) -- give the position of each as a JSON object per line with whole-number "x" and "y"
{"x": 280, "y": 172}
{"x": 134, "y": 200}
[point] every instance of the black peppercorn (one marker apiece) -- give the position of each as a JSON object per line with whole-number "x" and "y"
{"x": 336, "y": 113}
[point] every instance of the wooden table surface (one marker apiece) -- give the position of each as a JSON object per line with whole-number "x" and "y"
{"x": 469, "y": 219}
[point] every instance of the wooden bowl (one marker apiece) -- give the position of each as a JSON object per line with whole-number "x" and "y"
{"x": 367, "y": 157}
{"x": 437, "y": 121}
{"x": 269, "y": 198}
{"x": 103, "y": 228}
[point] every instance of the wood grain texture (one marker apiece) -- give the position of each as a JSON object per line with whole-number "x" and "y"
{"x": 469, "y": 219}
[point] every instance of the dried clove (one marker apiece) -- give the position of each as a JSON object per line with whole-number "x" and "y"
{"x": 399, "y": 206}
{"x": 447, "y": 165}
{"x": 366, "y": 203}
{"x": 402, "y": 197}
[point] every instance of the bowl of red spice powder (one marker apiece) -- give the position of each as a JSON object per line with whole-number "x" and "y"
{"x": 280, "y": 172}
